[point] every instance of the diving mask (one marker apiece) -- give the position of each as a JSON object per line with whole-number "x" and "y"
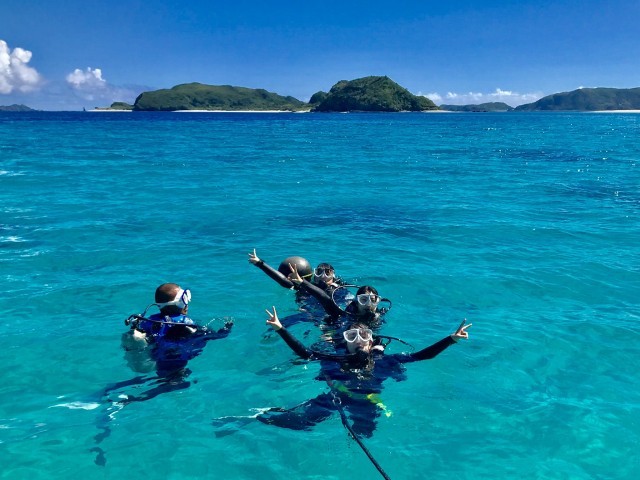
{"x": 324, "y": 272}
{"x": 352, "y": 335}
{"x": 368, "y": 298}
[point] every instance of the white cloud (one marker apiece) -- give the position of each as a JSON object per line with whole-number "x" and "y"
{"x": 88, "y": 80}
{"x": 470, "y": 98}
{"x": 88, "y": 85}
{"x": 20, "y": 83}
{"x": 434, "y": 97}
{"x": 15, "y": 74}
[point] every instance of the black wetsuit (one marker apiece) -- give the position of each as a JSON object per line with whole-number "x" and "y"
{"x": 303, "y": 298}
{"x": 350, "y": 313}
{"x": 355, "y": 382}
{"x": 276, "y": 275}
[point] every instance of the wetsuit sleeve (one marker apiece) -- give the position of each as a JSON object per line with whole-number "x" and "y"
{"x": 433, "y": 350}
{"x": 275, "y": 274}
{"x": 323, "y": 297}
{"x": 294, "y": 343}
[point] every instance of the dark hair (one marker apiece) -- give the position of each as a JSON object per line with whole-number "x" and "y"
{"x": 359, "y": 326}
{"x": 166, "y": 292}
{"x": 326, "y": 265}
{"x": 367, "y": 289}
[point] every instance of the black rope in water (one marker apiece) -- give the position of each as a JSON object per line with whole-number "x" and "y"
{"x": 343, "y": 417}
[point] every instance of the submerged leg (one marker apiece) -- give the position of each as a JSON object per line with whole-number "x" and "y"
{"x": 301, "y": 417}
{"x": 363, "y": 414}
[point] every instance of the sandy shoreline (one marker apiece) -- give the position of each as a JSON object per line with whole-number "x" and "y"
{"x": 239, "y": 111}
{"x": 307, "y": 111}
{"x": 616, "y": 111}
{"x": 204, "y": 111}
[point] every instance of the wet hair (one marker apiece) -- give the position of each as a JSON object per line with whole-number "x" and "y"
{"x": 359, "y": 326}
{"x": 367, "y": 289}
{"x": 326, "y": 265}
{"x": 166, "y": 292}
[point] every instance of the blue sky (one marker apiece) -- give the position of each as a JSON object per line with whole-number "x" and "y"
{"x": 87, "y": 53}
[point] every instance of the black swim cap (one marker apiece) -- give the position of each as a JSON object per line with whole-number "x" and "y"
{"x": 303, "y": 266}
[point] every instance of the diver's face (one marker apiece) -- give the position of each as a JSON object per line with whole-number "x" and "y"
{"x": 324, "y": 274}
{"x": 359, "y": 347}
{"x": 367, "y": 303}
{"x": 358, "y": 340}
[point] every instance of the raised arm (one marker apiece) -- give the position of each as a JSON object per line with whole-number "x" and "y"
{"x": 438, "y": 347}
{"x": 295, "y": 345}
{"x": 323, "y": 297}
{"x": 270, "y": 271}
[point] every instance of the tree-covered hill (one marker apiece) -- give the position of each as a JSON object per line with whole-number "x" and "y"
{"x": 197, "y": 96}
{"x": 121, "y": 106}
{"x": 15, "y": 108}
{"x": 588, "y": 99}
{"x": 481, "y": 107}
{"x": 371, "y": 94}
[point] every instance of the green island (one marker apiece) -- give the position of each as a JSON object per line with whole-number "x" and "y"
{"x": 481, "y": 107}
{"x": 370, "y": 94}
{"x": 197, "y": 96}
{"x": 117, "y": 106}
{"x": 16, "y": 108}
{"x": 587, "y": 99}
{"x": 367, "y": 94}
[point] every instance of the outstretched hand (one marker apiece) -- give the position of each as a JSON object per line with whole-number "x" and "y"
{"x": 294, "y": 276}
{"x": 461, "y": 332}
{"x": 253, "y": 258}
{"x": 273, "y": 319}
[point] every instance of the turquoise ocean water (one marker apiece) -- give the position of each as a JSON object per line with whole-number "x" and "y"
{"x": 526, "y": 224}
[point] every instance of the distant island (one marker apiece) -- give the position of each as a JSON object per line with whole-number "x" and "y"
{"x": 117, "y": 107}
{"x": 16, "y": 108}
{"x": 367, "y": 94}
{"x": 370, "y": 94}
{"x": 197, "y": 96}
{"x": 481, "y": 107}
{"x": 587, "y": 99}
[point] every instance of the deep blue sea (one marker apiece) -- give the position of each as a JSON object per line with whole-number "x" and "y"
{"x": 526, "y": 224}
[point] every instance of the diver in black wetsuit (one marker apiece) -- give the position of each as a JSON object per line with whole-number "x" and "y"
{"x": 355, "y": 378}
{"x": 363, "y": 308}
{"x": 323, "y": 276}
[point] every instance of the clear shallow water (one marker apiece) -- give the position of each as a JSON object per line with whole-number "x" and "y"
{"x": 526, "y": 224}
